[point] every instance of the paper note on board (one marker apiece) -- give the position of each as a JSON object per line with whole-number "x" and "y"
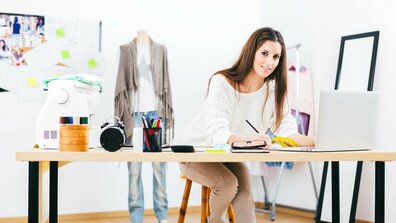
{"x": 60, "y": 33}
{"x": 31, "y": 81}
{"x": 65, "y": 54}
{"x": 92, "y": 63}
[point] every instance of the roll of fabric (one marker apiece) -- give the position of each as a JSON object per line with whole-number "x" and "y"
{"x": 73, "y": 137}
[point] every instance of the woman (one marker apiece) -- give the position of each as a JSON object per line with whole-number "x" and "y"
{"x": 3, "y": 45}
{"x": 4, "y": 50}
{"x": 253, "y": 89}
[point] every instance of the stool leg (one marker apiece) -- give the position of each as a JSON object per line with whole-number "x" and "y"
{"x": 231, "y": 214}
{"x": 183, "y": 207}
{"x": 208, "y": 205}
{"x": 204, "y": 205}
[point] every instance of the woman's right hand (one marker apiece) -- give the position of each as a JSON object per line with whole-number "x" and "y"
{"x": 261, "y": 137}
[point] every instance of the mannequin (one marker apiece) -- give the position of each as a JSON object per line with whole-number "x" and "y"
{"x": 143, "y": 75}
{"x": 142, "y": 37}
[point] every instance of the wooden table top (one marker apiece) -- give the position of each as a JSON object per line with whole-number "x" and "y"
{"x": 133, "y": 156}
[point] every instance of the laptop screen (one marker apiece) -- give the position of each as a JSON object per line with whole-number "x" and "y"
{"x": 347, "y": 120}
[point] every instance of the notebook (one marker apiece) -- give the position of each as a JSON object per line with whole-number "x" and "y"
{"x": 346, "y": 122}
{"x": 255, "y": 150}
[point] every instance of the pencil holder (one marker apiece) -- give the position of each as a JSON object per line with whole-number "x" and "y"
{"x": 152, "y": 139}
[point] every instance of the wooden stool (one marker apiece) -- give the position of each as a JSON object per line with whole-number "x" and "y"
{"x": 205, "y": 193}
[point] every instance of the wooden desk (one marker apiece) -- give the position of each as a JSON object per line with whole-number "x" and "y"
{"x": 34, "y": 157}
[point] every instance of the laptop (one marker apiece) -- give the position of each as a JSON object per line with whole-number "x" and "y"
{"x": 346, "y": 122}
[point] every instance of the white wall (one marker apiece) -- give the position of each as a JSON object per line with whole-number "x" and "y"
{"x": 201, "y": 37}
{"x": 319, "y": 25}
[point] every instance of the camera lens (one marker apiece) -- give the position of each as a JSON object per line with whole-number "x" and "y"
{"x": 112, "y": 139}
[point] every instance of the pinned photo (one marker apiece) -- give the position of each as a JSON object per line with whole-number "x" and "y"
{"x": 4, "y": 49}
{"x": 18, "y": 35}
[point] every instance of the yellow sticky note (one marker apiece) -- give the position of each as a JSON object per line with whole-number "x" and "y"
{"x": 56, "y": 75}
{"x": 60, "y": 33}
{"x": 92, "y": 63}
{"x": 65, "y": 54}
{"x": 31, "y": 81}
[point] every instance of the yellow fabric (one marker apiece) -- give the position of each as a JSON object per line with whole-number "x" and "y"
{"x": 284, "y": 142}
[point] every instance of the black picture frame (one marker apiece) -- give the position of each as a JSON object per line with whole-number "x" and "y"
{"x": 359, "y": 165}
{"x": 344, "y": 39}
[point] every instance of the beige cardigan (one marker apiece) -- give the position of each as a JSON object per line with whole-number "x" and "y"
{"x": 127, "y": 82}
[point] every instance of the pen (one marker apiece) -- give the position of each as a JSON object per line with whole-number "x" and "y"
{"x": 144, "y": 120}
{"x": 154, "y": 125}
{"x": 252, "y": 126}
{"x": 258, "y": 131}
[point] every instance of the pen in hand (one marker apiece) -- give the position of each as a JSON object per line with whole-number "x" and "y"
{"x": 267, "y": 143}
{"x": 252, "y": 126}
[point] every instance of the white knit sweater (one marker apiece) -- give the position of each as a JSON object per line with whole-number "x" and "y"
{"x": 225, "y": 113}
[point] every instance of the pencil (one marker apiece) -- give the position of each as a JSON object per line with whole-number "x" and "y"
{"x": 252, "y": 126}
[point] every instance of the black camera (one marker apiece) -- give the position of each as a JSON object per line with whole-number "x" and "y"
{"x": 113, "y": 136}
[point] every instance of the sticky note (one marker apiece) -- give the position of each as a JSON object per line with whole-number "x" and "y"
{"x": 92, "y": 63}
{"x": 215, "y": 151}
{"x": 55, "y": 75}
{"x": 65, "y": 54}
{"x": 60, "y": 33}
{"x": 31, "y": 81}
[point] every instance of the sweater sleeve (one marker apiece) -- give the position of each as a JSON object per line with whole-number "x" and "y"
{"x": 217, "y": 111}
{"x": 288, "y": 125}
{"x": 120, "y": 86}
{"x": 121, "y": 97}
{"x": 166, "y": 99}
{"x": 169, "y": 115}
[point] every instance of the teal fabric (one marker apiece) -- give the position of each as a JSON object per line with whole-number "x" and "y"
{"x": 91, "y": 80}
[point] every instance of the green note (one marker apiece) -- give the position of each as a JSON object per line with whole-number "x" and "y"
{"x": 60, "y": 33}
{"x": 92, "y": 63}
{"x": 65, "y": 54}
{"x": 215, "y": 151}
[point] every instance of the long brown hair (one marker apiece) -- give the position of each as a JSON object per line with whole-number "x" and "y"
{"x": 244, "y": 65}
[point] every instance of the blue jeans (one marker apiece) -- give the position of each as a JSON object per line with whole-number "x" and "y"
{"x": 135, "y": 189}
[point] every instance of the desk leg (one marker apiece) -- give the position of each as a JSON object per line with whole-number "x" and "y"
{"x": 335, "y": 192}
{"x": 379, "y": 191}
{"x": 356, "y": 187}
{"x": 53, "y": 192}
{"x": 33, "y": 202}
{"x": 321, "y": 193}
